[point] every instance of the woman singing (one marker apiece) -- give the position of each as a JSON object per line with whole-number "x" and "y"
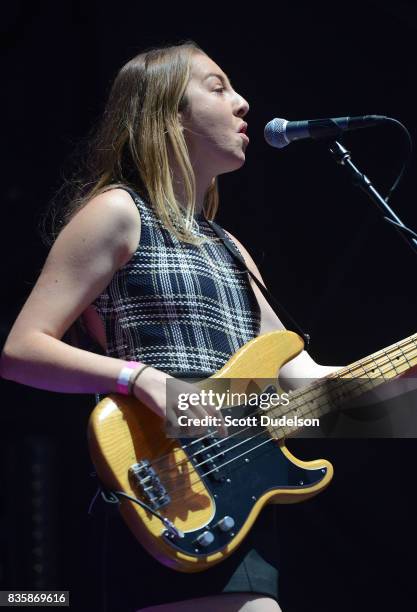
{"x": 136, "y": 266}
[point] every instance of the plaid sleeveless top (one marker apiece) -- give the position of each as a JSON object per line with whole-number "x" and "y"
{"x": 184, "y": 309}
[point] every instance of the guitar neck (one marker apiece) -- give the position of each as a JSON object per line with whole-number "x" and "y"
{"x": 349, "y": 383}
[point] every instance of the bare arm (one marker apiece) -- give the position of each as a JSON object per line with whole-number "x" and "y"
{"x": 98, "y": 241}
{"x": 87, "y": 253}
{"x": 296, "y": 372}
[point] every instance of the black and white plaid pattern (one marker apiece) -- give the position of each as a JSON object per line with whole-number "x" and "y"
{"x": 182, "y": 308}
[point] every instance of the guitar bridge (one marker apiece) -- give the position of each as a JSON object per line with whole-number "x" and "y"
{"x": 144, "y": 478}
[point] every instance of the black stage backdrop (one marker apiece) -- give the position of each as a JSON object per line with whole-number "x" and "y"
{"x": 322, "y": 247}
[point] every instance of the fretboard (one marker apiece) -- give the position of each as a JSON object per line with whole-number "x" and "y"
{"x": 337, "y": 389}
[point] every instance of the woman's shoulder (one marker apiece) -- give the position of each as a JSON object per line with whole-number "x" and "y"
{"x": 110, "y": 217}
{"x": 125, "y": 212}
{"x": 119, "y": 198}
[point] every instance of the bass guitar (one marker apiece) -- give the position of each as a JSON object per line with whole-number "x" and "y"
{"x": 191, "y": 502}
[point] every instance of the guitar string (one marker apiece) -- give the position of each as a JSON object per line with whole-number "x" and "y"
{"x": 334, "y": 376}
{"x": 275, "y": 430}
{"x": 297, "y": 395}
{"x": 199, "y": 481}
{"x": 308, "y": 389}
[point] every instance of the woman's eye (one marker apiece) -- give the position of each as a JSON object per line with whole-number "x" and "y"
{"x": 220, "y": 89}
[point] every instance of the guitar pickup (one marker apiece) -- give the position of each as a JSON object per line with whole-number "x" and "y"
{"x": 213, "y": 458}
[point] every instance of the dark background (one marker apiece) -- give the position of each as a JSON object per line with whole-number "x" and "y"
{"x": 322, "y": 247}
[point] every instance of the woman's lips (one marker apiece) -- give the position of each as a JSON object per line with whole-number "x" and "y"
{"x": 244, "y": 136}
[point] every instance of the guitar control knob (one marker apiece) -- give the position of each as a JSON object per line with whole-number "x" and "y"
{"x": 226, "y": 523}
{"x": 204, "y": 539}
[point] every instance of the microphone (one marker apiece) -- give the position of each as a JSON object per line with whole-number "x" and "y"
{"x": 280, "y": 132}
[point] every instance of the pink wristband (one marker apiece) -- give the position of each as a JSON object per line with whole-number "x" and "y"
{"x": 124, "y": 376}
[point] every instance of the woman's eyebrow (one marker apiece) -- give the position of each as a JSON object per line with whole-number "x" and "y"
{"x": 219, "y": 76}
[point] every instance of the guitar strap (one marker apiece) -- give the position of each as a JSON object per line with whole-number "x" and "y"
{"x": 220, "y": 232}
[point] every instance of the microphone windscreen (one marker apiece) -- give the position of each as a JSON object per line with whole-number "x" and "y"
{"x": 274, "y": 133}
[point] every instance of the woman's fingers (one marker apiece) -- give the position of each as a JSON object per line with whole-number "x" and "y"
{"x": 210, "y": 418}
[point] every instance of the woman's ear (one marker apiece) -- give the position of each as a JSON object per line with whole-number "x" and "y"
{"x": 180, "y": 120}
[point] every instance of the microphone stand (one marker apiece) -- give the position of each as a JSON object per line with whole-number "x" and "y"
{"x": 342, "y": 157}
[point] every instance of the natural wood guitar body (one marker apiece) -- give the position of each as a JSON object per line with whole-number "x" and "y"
{"x": 220, "y": 505}
{"x": 122, "y": 431}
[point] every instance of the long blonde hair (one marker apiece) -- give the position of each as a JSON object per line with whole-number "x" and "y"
{"x": 138, "y": 132}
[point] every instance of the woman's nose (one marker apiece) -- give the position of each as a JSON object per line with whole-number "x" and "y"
{"x": 243, "y": 107}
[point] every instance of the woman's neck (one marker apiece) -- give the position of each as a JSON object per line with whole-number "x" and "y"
{"x": 202, "y": 184}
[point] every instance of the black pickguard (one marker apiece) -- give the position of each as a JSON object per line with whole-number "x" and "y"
{"x": 251, "y": 466}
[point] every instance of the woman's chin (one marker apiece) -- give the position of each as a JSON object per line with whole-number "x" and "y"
{"x": 240, "y": 161}
{"x": 235, "y": 163}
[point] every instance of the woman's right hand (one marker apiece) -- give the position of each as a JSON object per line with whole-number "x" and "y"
{"x": 150, "y": 388}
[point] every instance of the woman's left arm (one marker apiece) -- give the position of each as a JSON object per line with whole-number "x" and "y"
{"x": 300, "y": 370}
